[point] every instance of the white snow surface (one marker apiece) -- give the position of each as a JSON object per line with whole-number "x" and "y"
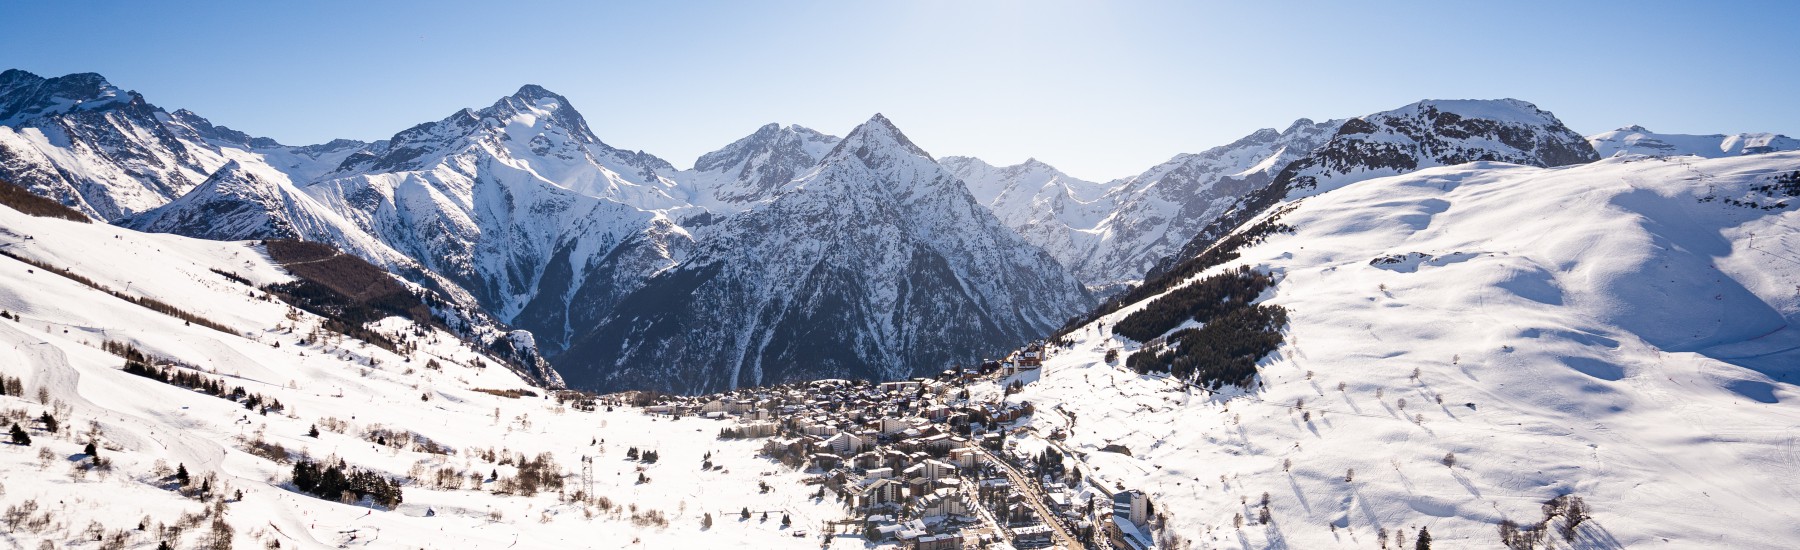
{"x": 1636, "y": 140}
{"x": 55, "y": 346}
{"x": 1615, "y": 330}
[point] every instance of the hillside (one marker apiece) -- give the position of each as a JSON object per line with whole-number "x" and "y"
{"x": 440, "y": 419}
{"x": 1466, "y": 343}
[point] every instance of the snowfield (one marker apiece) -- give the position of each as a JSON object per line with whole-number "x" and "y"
{"x": 1619, "y": 331}
{"x": 140, "y": 423}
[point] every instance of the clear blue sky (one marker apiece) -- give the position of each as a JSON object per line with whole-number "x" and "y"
{"x": 1100, "y": 89}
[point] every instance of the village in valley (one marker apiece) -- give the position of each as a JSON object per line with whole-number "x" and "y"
{"x": 926, "y": 463}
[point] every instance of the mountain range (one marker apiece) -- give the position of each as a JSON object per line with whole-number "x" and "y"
{"x": 788, "y": 254}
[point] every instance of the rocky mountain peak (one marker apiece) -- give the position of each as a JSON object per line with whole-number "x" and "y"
{"x": 877, "y": 141}
{"x": 24, "y": 95}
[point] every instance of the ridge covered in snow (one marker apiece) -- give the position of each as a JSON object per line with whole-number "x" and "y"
{"x": 1636, "y": 140}
{"x": 1110, "y": 234}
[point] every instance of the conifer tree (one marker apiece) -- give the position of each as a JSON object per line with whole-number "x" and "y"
{"x": 1424, "y": 540}
{"x": 181, "y": 474}
{"x": 19, "y": 437}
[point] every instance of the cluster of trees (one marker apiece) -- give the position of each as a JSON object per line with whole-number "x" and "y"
{"x": 1784, "y": 185}
{"x": 1201, "y": 301}
{"x": 28, "y": 203}
{"x": 344, "y": 483}
{"x": 403, "y": 440}
{"x": 535, "y": 474}
{"x": 646, "y": 455}
{"x": 135, "y": 363}
{"x": 1049, "y": 462}
{"x": 233, "y": 276}
{"x": 347, "y": 291}
{"x": 147, "y": 303}
{"x": 1570, "y": 508}
{"x": 11, "y": 386}
{"x": 1224, "y": 351}
{"x": 1212, "y": 247}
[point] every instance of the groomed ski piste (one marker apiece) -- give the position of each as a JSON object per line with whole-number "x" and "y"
{"x": 139, "y": 423}
{"x": 1617, "y": 331}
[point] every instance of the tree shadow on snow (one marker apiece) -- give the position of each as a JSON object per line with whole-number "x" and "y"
{"x": 1277, "y": 539}
{"x": 1464, "y": 480}
{"x": 1593, "y": 536}
{"x": 1299, "y": 495}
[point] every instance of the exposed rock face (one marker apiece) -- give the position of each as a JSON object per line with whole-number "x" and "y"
{"x": 878, "y": 264}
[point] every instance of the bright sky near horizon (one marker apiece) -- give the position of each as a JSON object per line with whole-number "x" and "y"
{"x": 1099, "y": 89}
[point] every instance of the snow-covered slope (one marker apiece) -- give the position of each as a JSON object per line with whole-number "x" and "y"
{"x": 1621, "y": 331}
{"x": 878, "y": 264}
{"x": 443, "y": 393}
{"x": 246, "y": 202}
{"x": 1635, "y": 140}
{"x": 1433, "y": 132}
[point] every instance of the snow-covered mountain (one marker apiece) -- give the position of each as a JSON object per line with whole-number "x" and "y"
{"x": 754, "y": 169}
{"x": 248, "y": 202}
{"x": 1466, "y": 343}
{"x": 1110, "y": 234}
{"x": 877, "y": 264}
{"x": 88, "y": 144}
{"x": 520, "y": 209}
{"x": 111, "y": 154}
{"x": 1050, "y": 209}
{"x": 1635, "y": 140}
{"x": 1160, "y": 210}
{"x": 520, "y": 205}
{"x": 1421, "y": 135}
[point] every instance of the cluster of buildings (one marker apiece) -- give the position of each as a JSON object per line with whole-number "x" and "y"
{"x": 915, "y": 462}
